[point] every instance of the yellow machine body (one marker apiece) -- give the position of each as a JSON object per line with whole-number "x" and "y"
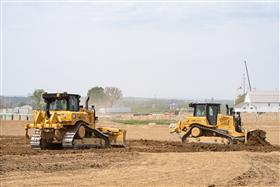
{"x": 208, "y": 124}
{"x": 60, "y": 119}
{"x": 67, "y": 123}
{"x": 224, "y": 122}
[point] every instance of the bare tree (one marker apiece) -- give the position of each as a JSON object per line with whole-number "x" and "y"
{"x": 113, "y": 95}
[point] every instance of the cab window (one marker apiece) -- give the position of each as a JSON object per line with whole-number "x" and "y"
{"x": 73, "y": 103}
{"x": 200, "y": 110}
{"x": 213, "y": 111}
{"x": 58, "y": 105}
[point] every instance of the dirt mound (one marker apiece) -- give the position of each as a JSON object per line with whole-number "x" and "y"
{"x": 17, "y": 145}
{"x": 257, "y": 137}
{"x": 166, "y": 146}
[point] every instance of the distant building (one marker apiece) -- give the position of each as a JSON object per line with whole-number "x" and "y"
{"x": 115, "y": 110}
{"x": 258, "y": 101}
{"x": 172, "y": 106}
{"x": 26, "y": 109}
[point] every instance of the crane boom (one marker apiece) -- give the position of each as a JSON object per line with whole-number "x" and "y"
{"x": 250, "y": 88}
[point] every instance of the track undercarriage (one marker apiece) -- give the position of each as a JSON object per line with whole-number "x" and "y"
{"x": 74, "y": 138}
{"x": 212, "y": 135}
{"x": 209, "y": 125}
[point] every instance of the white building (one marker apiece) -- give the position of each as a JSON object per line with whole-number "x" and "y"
{"x": 115, "y": 110}
{"x": 258, "y": 101}
{"x": 26, "y": 109}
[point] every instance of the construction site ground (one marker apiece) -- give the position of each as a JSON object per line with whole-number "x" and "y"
{"x": 152, "y": 157}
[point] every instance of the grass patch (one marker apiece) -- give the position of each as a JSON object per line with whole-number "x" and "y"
{"x": 143, "y": 122}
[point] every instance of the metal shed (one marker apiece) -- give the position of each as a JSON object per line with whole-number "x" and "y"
{"x": 258, "y": 101}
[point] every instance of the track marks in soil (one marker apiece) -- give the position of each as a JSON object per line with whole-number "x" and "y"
{"x": 264, "y": 170}
{"x": 62, "y": 162}
{"x": 143, "y": 162}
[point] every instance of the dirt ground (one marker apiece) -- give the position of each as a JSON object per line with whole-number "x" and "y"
{"x": 153, "y": 157}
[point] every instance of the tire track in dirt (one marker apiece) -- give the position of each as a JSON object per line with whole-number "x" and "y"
{"x": 142, "y": 162}
{"x": 264, "y": 170}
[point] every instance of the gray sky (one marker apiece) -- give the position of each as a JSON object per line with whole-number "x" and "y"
{"x": 174, "y": 50}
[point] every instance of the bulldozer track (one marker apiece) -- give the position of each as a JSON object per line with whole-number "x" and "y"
{"x": 69, "y": 140}
{"x": 218, "y": 132}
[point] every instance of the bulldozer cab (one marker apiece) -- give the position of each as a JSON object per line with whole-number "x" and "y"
{"x": 208, "y": 110}
{"x": 61, "y": 102}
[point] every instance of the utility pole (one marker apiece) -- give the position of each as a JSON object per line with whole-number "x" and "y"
{"x": 244, "y": 83}
{"x": 250, "y": 88}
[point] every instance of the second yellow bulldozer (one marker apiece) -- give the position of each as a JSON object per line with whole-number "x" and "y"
{"x": 209, "y": 125}
{"x": 64, "y": 123}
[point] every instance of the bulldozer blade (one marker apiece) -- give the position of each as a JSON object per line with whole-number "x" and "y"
{"x": 257, "y": 137}
{"x": 117, "y": 137}
{"x": 118, "y": 140}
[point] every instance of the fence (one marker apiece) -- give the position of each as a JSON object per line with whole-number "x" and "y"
{"x": 246, "y": 117}
{"x": 261, "y": 117}
{"x": 12, "y": 116}
{"x": 151, "y": 116}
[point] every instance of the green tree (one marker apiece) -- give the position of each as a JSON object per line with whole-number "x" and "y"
{"x": 97, "y": 96}
{"x": 37, "y": 101}
{"x": 113, "y": 94}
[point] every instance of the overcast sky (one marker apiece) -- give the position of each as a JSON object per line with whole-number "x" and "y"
{"x": 174, "y": 50}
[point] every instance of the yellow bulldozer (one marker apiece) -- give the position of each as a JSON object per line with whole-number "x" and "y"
{"x": 65, "y": 123}
{"x": 209, "y": 125}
